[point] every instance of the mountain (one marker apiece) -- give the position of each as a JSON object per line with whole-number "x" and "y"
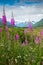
{"x": 39, "y": 23}
{"x": 23, "y": 24}
{"x": 8, "y": 24}
{"x": 0, "y": 22}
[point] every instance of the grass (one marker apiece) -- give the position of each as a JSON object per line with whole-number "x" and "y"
{"x": 14, "y": 52}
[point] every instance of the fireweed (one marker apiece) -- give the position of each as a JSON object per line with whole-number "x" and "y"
{"x": 0, "y": 30}
{"x": 6, "y": 28}
{"x": 12, "y": 22}
{"x": 37, "y": 40}
{"x": 4, "y": 20}
{"x": 29, "y": 54}
{"x": 25, "y": 32}
{"x": 30, "y": 27}
{"x": 41, "y": 34}
{"x": 17, "y": 37}
{"x": 24, "y": 43}
{"x": 22, "y": 53}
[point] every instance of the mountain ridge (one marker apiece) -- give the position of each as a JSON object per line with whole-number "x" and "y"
{"x": 39, "y": 23}
{"x": 24, "y": 24}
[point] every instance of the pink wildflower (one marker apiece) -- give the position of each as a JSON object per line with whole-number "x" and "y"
{"x": 30, "y": 26}
{"x": 12, "y": 22}
{"x": 4, "y": 19}
{"x": 25, "y": 31}
{"x": 41, "y": 34}
{"x": 17, "y": 37}
{"x": 6, "y": 28}
{"x": 37, "y": 40}
{"x": 42, "y": 62}
{"x": 0, "y": 30}
{"x": 23, "y": 44}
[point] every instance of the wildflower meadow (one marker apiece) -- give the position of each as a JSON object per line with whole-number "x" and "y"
{"x": 20, "y": 46}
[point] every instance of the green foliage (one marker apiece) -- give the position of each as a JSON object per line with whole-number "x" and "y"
{"x": 14, "y": 53}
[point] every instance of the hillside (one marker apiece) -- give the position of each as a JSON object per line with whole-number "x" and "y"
{"x": 0, "y": 22}
{"x": 25, "y": 24}
{"x": 39, "y": 24}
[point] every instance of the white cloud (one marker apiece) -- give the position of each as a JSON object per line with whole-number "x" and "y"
{"x": 23, "y": 13}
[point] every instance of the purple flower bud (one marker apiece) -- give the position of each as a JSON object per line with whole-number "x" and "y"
{"x": 0, "y": 30}
{"x": 41, "y": 33}
{"x": 25, "y": 31}
{"x": 37, "y": 40}
{"x": 30, "y": 26}
{"x": 17, "y": 37}
{"x": 4, "y": 19}
{"x": 42, "y": 62}
{"x": 23, "y": 44}
{"x": 6, "y": 28}
{"x": 12, "y": 22}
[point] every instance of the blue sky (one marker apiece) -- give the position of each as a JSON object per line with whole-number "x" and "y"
{"x": 23, "y": 10}
{"x": 13, "y": 2}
